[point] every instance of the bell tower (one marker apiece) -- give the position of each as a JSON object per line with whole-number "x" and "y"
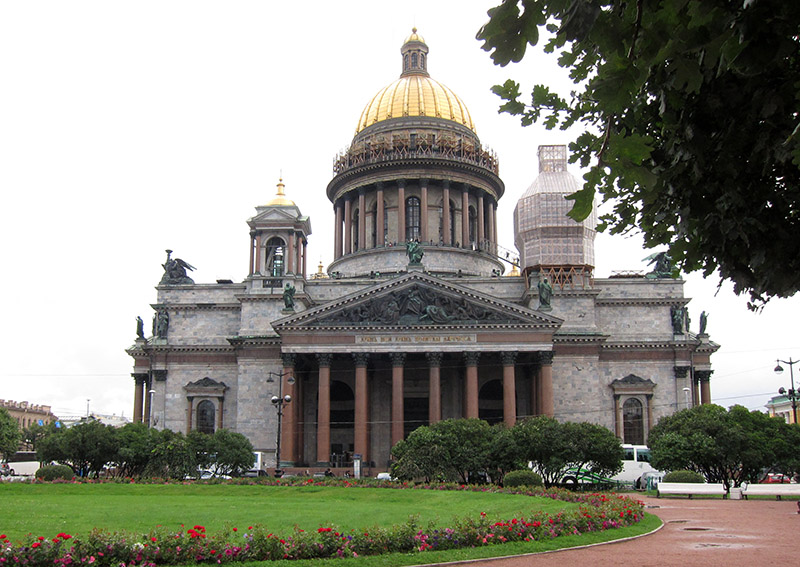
{"x": 278, "y": 239}
{"x": 549, "y": 242}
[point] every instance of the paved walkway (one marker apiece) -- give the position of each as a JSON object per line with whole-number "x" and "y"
{"x": 697, "y": 532}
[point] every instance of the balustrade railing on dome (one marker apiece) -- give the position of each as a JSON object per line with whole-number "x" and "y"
{"x": 378, "y": 150}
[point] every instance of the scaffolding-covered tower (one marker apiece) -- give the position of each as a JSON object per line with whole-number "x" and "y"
{"x": 550, "y": 243}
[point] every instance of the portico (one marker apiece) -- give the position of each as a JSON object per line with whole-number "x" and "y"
{"x": 426, "y": 349}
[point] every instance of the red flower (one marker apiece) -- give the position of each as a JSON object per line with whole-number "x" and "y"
{"x": 35, "y": 545}
{"x": 235, "y": 529}
{"x": 40, "y": 538}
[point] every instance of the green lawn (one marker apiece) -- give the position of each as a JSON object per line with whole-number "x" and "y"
{"x": 46, "y": 509}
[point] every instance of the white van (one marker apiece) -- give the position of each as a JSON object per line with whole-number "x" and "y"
{"x": 635, "y": 463}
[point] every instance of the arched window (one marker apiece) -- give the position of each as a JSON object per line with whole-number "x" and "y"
{"x": 405, "y": 62}
{"x": 414, "y": 60}
{"x": 275, "y": 256}
{"x": 633, "y": 422}
{"x": 205, "y": 417}
{"x": 355, "y": 230}
{"x": 422, "y": 61}
{"x": 412, "y": 218}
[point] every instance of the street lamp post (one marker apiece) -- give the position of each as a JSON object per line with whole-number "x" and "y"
{"x": 792, "y": 394}
{"x": 279, "y": 401}
{"x": 150, "y": 393}
{"x": 686, "y": 392}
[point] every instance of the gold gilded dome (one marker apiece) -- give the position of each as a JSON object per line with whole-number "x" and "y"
{"x": 414, "y": 37}
{"x": 415, "y": 93}
{"x": 281, "y": 200}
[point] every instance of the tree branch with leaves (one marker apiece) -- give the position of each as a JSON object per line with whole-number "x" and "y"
{"x": 691, "y": 115}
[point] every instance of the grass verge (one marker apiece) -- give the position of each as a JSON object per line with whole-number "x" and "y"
{"x": 46, "y": 509}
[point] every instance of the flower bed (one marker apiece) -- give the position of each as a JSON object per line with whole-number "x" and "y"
{"x": 596, "y": 512}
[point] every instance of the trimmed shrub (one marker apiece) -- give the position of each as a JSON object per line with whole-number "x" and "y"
{"x": 684, "y": 476}
{"x": 522, "y": 478}
{"x": 55, "y": 472}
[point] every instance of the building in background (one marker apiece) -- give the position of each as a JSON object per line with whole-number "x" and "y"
{"x": 415, "y": 321}
{"x": 781, "y": 406}
{"x": 28, "y": 414}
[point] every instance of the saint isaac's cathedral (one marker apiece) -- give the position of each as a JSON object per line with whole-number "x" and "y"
{"x": 419, "y": 318}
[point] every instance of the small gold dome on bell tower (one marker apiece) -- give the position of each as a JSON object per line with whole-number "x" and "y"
{"x": 280, "y": 199}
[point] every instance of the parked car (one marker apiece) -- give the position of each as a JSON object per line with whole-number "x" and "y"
{"x": 649, "y": 480}
{"x": 252, "y": 473}
{"x": 6, "y": 470}
{"x": 205, "y": 475}
{"x": 776, "y": 478}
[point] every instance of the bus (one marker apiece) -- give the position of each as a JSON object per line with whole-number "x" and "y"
{"x": 23, "y": 463}
{"x": 635, "y": 463}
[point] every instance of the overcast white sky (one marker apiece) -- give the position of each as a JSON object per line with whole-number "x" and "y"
{"x": 130, "y": 127}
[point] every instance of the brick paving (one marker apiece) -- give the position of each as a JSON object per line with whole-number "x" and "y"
{"x": 696, "y": 532}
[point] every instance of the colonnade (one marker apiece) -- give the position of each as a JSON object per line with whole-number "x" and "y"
{"x": 348, "y": 233}
{"x": 294, "y": 252}
{"x": 141, "y": 397}
{"x": 291, "y": 436}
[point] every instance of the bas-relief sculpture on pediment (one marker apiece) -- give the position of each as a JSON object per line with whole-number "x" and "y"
{"x": 415, "y": 305}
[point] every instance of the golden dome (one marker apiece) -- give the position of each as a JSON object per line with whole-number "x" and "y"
{"x": 414, "y": 36}
{"x": 280, "y": 200}
{"x": 415, "y": 93}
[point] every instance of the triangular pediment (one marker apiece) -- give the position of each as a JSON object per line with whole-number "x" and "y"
{"x": 269, "y": 215}
{"x": 417, "y": 300}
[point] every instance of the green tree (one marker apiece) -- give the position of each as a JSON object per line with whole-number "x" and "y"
{"x": 32, "y": 434}
{"x": 692, "y": 117}
{"x": 172, "y": 456}
{"x": 728, "y": 447}
{"x": 420, "y": 455}
{"x": 542, "y": 442}
{"x": 234, "y": 452}
{"x": 136, "y": 443}
{"x": 552, "y": 448}
{"x": 85, "y": 447}
{"x": 10, "y": 434}
{"x": 593, "y": 447}
{"x": 202, "y": 446}
{"x": 504, "y": 454}
{"x": 453, "y": 449}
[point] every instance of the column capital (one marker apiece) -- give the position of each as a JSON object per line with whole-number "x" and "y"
{"x": 545, "y": 357}
{"x": 324, "y": 359}
{"x": 401, "y": 182}
{"x": 508, "y": 358}
{"x": 703, "y": 375}
{"x": 139, "y": 377}
{"x": 397, "y": 358}
{"x": 288, "y": 359}
{"x": 681, "y": 371}
{"x": 361, "y": 359}
{"x": 434, "y": 358}
{"x": 471, "y": 358}
{"x": 159, "y": 375}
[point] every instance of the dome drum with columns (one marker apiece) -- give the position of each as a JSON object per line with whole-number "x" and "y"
{"x": 415, "y": 171}
{"x": 393, "y": 339}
